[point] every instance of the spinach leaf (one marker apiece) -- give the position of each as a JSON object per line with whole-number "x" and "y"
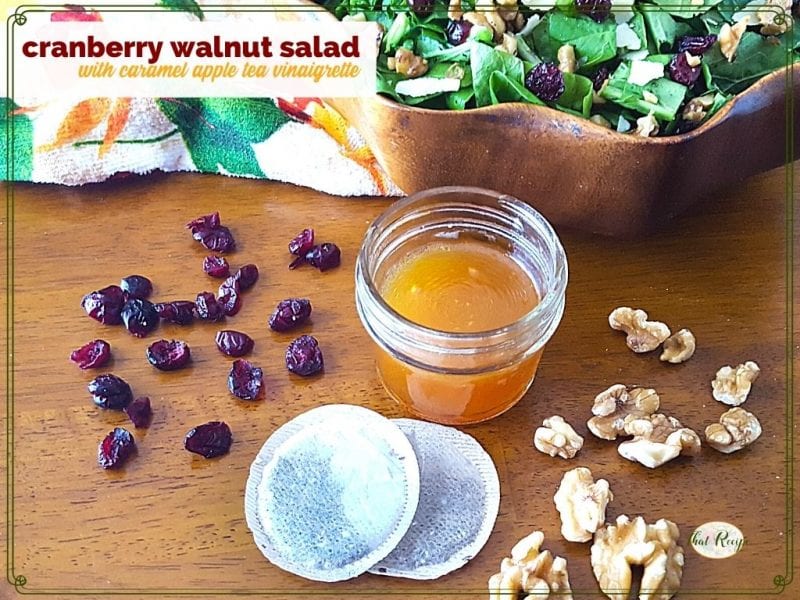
{"x": 458, "y": 53}
{"x": 669, "y": 93}
{"x": 458, "y": 100}
{"x": 755, "y": 57}
{"x": 504, "y": 89}
{"x": 637, "y": 24}
{"x": 686, "y": 8}
{"x": 662, "y": 29}
{"x": 577, "y": 96}
{"x": 484, "y": 61}
{"x": 719, "y": 101}
{"x": 594, "y": 42}
{"x": 713, "y": 21}
{"x": 544, "y": 45}
{"x": 400, "y": 27}
{"x": 525, "y": 52}
{"x": 427, "y": 44}
{"x": 385, "y": 83}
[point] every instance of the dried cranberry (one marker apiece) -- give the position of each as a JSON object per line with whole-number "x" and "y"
{"x": 599, "y": 78}
{"x": 229, "y": 297}
{"x": 421, "y": 7}
{"x": 546, "y": 81}
{"x": 303, "y": 356}
{"x": 245, "y": 380}
{"x": 139, "y": 316}
{"x": 205, "y": 222}
{"x": 137, "y": 286}
{"x": 234, "y": 343}
{"x": 597, "y": 10}
{"x": 458, "y": 31}
{"x": 115, "y": 448}
{"x": 105, "y": 305}
{"x": 290, "y": 313}
{"x": 247, "y": 276}
{"x": 92, "y": 355}
{"x": 208, "y": 308}
{"x": 110, "y": 391}
{"x": 180, "y": 312}
{"x": 139, "y": 412}
{"x": 168, "y": 355}
{"x": 325, "y": 256}
{"x": 300, "y": 260}
{"x": 696, "y": 44}
{"x": 209, "y": 440}
{"x": 219, "y": 239}
{"x": 302, "y": 242}
{"x": 681, "y": 72}
{"x": 216, "y": 266}
{"x": 208, "y": 231}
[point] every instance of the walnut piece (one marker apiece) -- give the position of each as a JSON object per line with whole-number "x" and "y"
{"x": 531, "y": 571}
{"x": 736, "y": 429}
{"x": 774, "y": 16}
{"x": 508, "y": 45}
{"x": 454, "y": 11}
{"x": 646, "y": 127}
{"x": 732, "y": 386}
{"x": 556, "y": 437}
{"x": 657, "y": 439}
{"x": 497, "y": 23}
{"x": 615, "y": 404}
{"x": 407, "y": 63}
{"x": 729, "y": 37}
{"x": 692, "y": 60}
{"x": 697, "y": 108}
{"x": 643, "y": 335}
{"x": 567, "y": 63}
{"x": 617, "y": 547}
{"x": 679, "y": 347}
{"x": 601, "y": 120}
{"x": 581, "y": 502}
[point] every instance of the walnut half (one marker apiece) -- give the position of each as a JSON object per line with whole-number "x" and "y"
{"x": 531, "y": 571}
{"x": 736, "y": 429}
{"x": 657, "y": 439}
{"x": 679, "y": 347}
{"x": 613, "y": 406}
{"x": 556, "y": 437}
{"x": 617, "y": 547}
{"x": 732, "y": 386}
{"x": 643, "y": 335}
{"x": 581, "y": 502}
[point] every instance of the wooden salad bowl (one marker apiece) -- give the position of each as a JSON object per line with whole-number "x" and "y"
{"x": 576, "y": 173}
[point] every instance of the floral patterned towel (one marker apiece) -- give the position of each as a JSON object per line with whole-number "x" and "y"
{"x": 300, "y": 141}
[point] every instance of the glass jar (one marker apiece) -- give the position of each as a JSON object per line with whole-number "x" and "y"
{"x": 450, "y": 374}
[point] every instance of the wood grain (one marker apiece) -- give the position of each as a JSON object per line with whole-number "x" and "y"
{"x": 172, "y": 522}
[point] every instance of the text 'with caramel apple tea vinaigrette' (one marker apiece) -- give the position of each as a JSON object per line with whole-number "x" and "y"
{"x": 460, "y": 291}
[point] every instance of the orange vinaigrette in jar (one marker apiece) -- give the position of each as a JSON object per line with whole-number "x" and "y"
{"x": 460, "y": 288}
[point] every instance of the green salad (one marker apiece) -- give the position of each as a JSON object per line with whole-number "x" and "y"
{"x": 648, "y": 68}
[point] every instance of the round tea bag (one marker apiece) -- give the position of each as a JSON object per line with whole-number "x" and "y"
{"x": 458, "y": 504}
{"x": 332, "y": 492}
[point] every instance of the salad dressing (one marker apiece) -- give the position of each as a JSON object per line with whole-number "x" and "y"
{"x": 460, "y": 285}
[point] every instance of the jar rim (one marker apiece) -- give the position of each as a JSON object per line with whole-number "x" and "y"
{"x": 546, "y": 304}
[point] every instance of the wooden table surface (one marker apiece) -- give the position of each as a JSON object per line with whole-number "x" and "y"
{"x": 172, "y": 522}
